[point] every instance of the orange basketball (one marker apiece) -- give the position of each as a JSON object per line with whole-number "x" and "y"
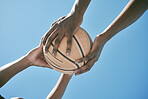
{"x": 81, "y": 45}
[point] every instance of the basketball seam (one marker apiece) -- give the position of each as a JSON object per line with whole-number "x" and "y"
{"x": 66, "y": 57}
{"x": 52, "y": 62}
{"x": 79, "y": 46}
{"x": 56, "y": 58}
{"x": 60, "y": 68}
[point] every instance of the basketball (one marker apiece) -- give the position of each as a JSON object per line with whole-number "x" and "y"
{"x": 81, "y": 46}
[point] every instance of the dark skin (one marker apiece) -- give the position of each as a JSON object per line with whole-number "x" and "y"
{"x": 59, "y": 29}
{"x": 69, "y": 24}
{"x": 132, "y": 11}
{"x": 66, "y": 26}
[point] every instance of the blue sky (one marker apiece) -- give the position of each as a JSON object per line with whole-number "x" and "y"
{"x": 120, "y": 73}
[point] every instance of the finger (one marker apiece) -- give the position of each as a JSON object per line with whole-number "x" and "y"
{"x": 61, "y": 18}
{"x": 43, "y": 63}
{"x": 48, "y": 33}
{"x": 57, "y": 43}
{"x": 85, "y": 58}
{"x": 41, "y": 42}
{"x": 50, "y": 39}
{"x": 86, "y": 67}
{"x": 53, "y": 23}
{"x": 69, "y": 44}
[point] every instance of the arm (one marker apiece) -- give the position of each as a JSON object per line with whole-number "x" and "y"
{"x": 66, "y": 26}
{"x": 35, "y": 57}
{"x": 132, "y": 11}
{"x": 59, "y": 89}
{"x": 11, "y": 69}
{"x": 79, "y": 7}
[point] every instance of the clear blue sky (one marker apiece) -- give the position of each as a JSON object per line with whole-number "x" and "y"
{"x": 120, "y": 73}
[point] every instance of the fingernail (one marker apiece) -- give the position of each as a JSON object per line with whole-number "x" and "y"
{"x": 77, "y": 74}
{"x": 53, "y": 54}
{"x": 67, "y": 53}
{"x": 76, "y": 62}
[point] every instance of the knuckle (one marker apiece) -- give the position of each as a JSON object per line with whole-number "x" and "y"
{"x": 53, "y": 23}
{"x": 54, "y": 50}
{"x": 69, "y": 41}
{"x": 68, "y": 49}
{"x": 86, "y": 58}
{"x": 42, "y": 37}
{"x": 57, "y": 41}
{"x": 81, "y": 60}
{"x": 50, "y": 38}
{"x": 46, "y": 48}
{"x": 46, "y": 36}
{"x": 43, "y": 41}
{"x": 48, "y": 42}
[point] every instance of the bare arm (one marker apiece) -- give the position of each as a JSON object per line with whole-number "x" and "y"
{"x": 80, "y": 7}
{"x": 132, "y": 11}
{"x": 59, "y": 89}
{"x": 11, "y": 69}
{"x": 35, "y": 57}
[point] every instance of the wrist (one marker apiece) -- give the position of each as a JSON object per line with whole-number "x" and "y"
{"x": 75, "y": 16}
{"x": 75, "y": 13}
{"x": 68, "y": 75}
{"x": 27, "y": 60}
{"x": 80, "y": 7}
{"x": 102, "y": 38}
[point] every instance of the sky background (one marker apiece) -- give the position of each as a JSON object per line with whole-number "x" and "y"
{"x": 120, "y": 73}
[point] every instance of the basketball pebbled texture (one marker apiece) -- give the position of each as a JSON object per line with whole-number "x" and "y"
{"x": 81, "y": 46}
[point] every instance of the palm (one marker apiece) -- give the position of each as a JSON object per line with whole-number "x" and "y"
{"x": 92, "y": 57}
{"x": 36, "y": 57}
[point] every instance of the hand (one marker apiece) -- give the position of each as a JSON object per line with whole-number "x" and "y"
{"x": 91, "y": 57}
{"x": 36, "y": 57}
{"x": 65, "y": 26}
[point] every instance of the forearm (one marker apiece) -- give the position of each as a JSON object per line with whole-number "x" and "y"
{"x": 9, "y": 70}
{"x": 79, "y": 7}
{"x": 132, "y": 11}
{"x": 59, "y": 89}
